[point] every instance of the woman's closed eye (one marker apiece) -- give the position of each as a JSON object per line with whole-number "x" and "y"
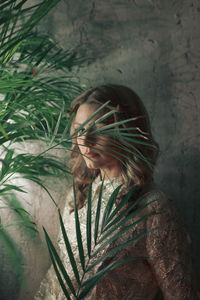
{"x": 81, "y": 131}
{"x": 84, "y": 133}
{"x": 84, "y": 130}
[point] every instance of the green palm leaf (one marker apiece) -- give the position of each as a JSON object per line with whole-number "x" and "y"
{"x": 90, "y": 283}
{"x": 109, "y": 207}
{"x": 89, "y": 221}
{"x": 78, "y": 231}
{"x": 59, "y": 263}
{"x": 56, "y": 260}
{"x": 110, "y": 222}
{"x": 32, "y": 107}
{"x": 69, "y": 250}
{"x": 97, "y": 216}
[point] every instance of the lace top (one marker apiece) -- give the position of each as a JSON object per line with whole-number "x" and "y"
{"x": 165, "y": 264}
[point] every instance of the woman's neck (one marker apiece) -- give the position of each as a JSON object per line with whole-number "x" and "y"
{"x": 110, "y": 174}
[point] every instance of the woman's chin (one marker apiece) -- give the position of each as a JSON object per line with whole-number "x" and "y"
{"x": 91, "y": 165}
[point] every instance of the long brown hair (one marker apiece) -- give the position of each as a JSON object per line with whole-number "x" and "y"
{"x": 139, "y": 162}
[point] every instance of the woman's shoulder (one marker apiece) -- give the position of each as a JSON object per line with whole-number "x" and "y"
{"x": 157, "y": 200}
{"x": 162, "y": 210}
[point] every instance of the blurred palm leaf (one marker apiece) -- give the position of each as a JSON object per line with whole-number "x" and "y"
{"x": 106, "y": 231}
{"x": 23, "y": 217}
{"x": 33, "y": 97}
{"x": 36, "y": 88}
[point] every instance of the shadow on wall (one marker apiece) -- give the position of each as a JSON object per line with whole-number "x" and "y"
{"x": 8, "y": 278}
{"x": 97, "y": 28}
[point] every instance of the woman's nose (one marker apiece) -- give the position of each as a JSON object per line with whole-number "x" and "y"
{"x": 87, "y": 139}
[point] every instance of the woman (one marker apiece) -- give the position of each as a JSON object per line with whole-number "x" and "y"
{"x": 124, "y": 153}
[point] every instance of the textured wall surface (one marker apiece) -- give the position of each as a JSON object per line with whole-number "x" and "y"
{"x": 153, "y": 47}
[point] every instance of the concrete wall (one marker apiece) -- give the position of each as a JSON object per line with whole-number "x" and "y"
{"x": 153, "y": 47}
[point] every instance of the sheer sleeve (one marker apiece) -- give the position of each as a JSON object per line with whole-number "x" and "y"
{"x": 168, "y": 251}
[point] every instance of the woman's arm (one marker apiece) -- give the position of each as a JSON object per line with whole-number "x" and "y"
{"x": 169, "y": 252}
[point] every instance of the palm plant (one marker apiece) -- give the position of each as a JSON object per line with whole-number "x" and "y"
{"x": 33, "y": 101}
{"x": 107, "y": 222}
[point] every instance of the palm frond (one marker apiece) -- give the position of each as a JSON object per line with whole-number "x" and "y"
{"x": 32, "y": 107}
{"x": 106, "y": 231}
{"x": 78, "y": 231}
{"x": 56, "y": 260}
{"x": 89, "y": 221}
{"x": 97, "y": 215}
{"x": 14, "y": 16}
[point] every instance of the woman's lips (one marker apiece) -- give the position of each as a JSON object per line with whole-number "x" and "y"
{"x": 91, "y": 154}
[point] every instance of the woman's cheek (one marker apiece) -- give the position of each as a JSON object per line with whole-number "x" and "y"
{"x": 79, "y": 145}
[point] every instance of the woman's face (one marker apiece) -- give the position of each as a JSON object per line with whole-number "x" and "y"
{"x": 97, "y": 150}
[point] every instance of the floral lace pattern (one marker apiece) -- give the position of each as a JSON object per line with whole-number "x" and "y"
{"x": 50, "y": 288}
{"x": 164, "y": 261}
